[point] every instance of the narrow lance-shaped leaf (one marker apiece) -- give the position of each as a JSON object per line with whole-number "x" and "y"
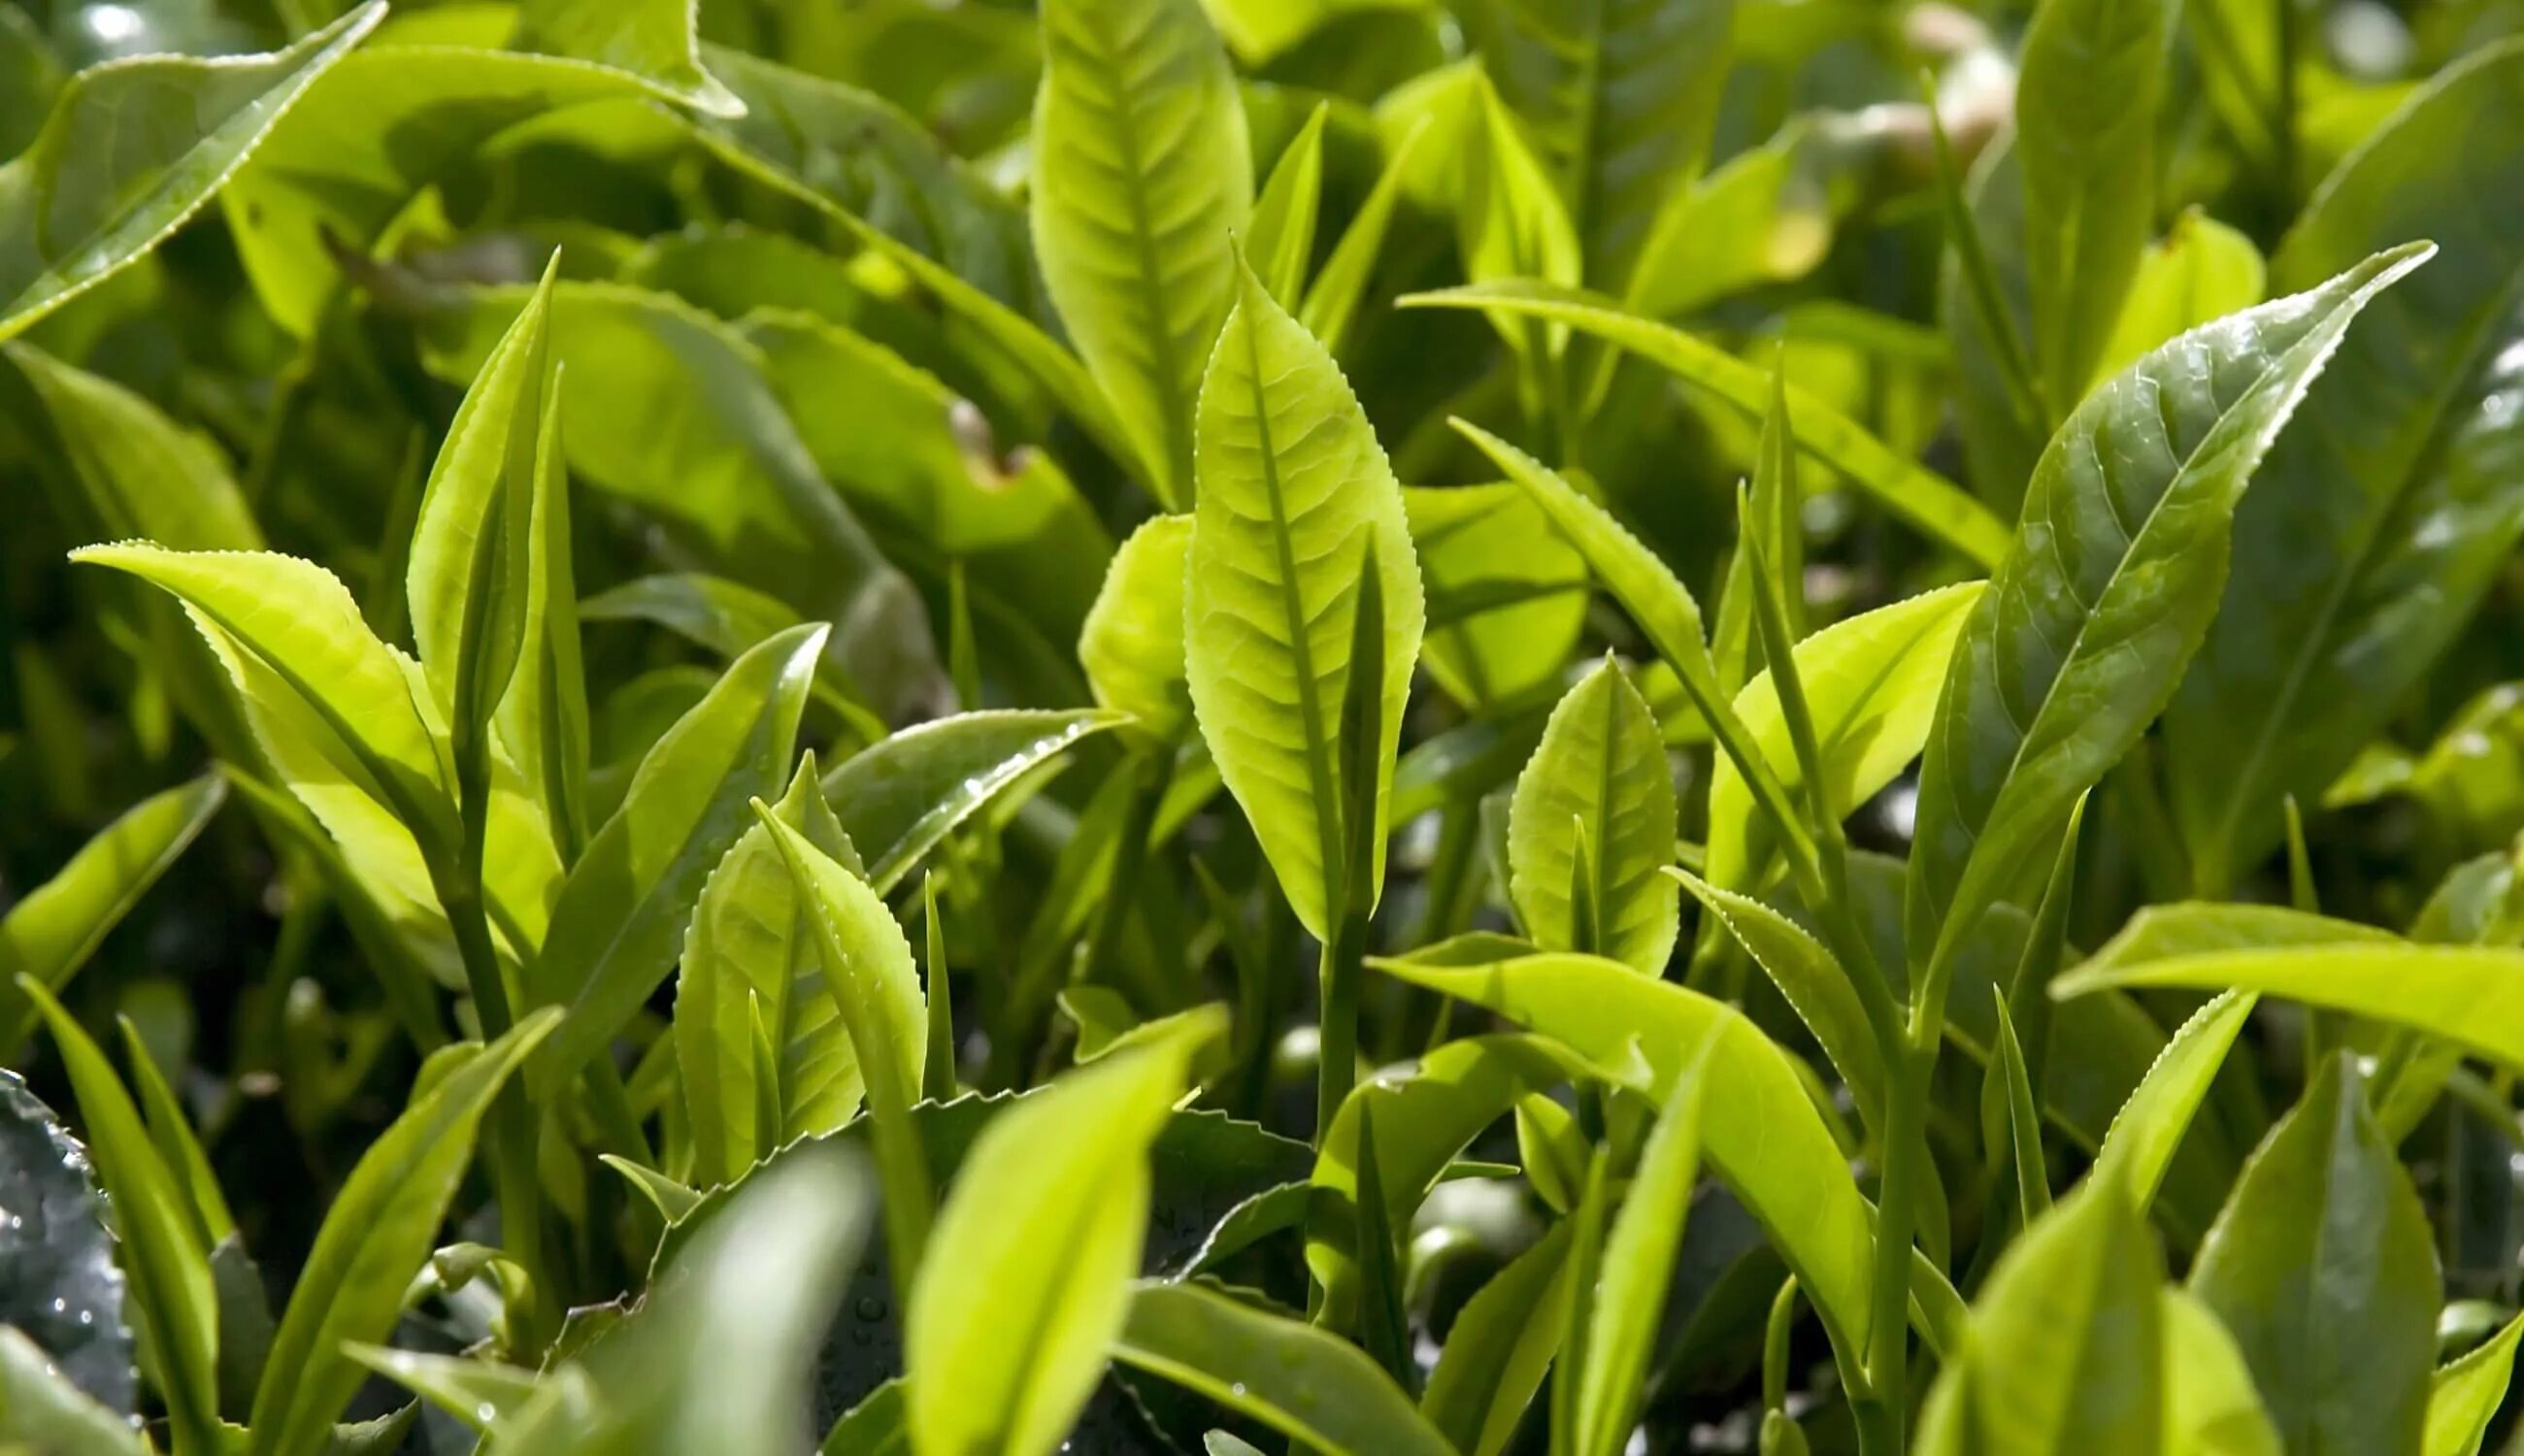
{"x": 1935, "y": 504}
{"x": 1331, "y": 304}
{"x": 1637, "y": 1264}
{"x": 376, "y": 1236}
{"x": 542, "y": 719}
{"x": 1294, "y": 489}
{"x": 1314, "y": 1386}
{"x": 134, "y": 148}
{"x": 1597, "y": 802}
{"x": 1143, "y": 179}
{"x": 2113, "y": 575}
{"x": 472, "y": 544}
{"x": 2139, "y": 1146}
{"x": 144, "y": 474}
{"x": 898, "y": 799}
{"x": 55, "y": 926}
{"x": 1281, "y": 237}
{"x": 2464, "y": 1395}
{"x": 869, "y": 976}
{"x": 1009, "y": 1323}
{"x": 622, "y": 913}
{"x": 169, "y": 1272}
{"x": 2323, "y": 1267}
{"x": 178, "y": 1150}
{"x": 2395, "y": 499}
{"x": 2085, "y": 132}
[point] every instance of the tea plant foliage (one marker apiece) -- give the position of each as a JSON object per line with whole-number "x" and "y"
{"x": 1452, "y": 727}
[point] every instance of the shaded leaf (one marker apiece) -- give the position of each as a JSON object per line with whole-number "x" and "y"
{"x": 899, "y": 798}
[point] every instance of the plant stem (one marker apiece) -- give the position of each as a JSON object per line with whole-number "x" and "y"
{"x": 1336, "y": 1046}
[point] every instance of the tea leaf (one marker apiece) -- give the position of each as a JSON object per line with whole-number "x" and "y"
{"x": 2211, "y": 1407}
{"x": 1282, "y": 229}
{"x": 622, "y": 913}
{"x": 2323, "y": 1268}
{"x": 375, "y": 1238}
{"x": 55, "y": 926}
{"x": 1290, "y": 1376}
{"x": 41, "y": 1408}
{"x": 64, "y": 1290}
{"x": 1597, "y": 800}
{"x": 2464, "y": 1396}
{"x": 2387, "y": 516}
{"x": 1295, "y": 490}
{"x": 1009, "y": 1322}
{"x": 2116, "y": 570}
{"x": 1499, "y": 1348}
{"x": 1146, "y": 179}
{"x": 144, "y": 474}
{"x": 899, "y": 798}
{"x": 652, "y": 40}
{"x": 2139, "y": 1145}
{"x": 131, "y": 151}
{"x": 2198, "y": 271}
{"x": 1131, "y": 646}
{"x": 1815, "y": 984}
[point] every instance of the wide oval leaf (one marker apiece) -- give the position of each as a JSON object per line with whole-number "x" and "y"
{"x": 1296, "y": 496}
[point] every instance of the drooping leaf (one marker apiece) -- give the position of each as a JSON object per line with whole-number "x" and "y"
{"x": 55, "y": 926}
{"x": 169, "y": 1270}
{"x": 2085, "y": 138}
{"x": 59, "y": 1287}
{"x": 1316, "y": 1388}
{"x": 1596, "y": 805}
{"x": 898, "y": 799}
{"x": 144, "y": 476}
{"x": 1294, "y": 493}
{"x": 133, "y": 150}
{"x": 1009, "y": 1322}
{"x": 2323, "y": 1268}
{"x": 652, "y": 40}
{"x": 2393, "y": 503}
{"x": 2114, "y": 573}
{"x": 622, "y": 913}
{"x": 1917, "y": 493}
{"x": 1144, "y": 178}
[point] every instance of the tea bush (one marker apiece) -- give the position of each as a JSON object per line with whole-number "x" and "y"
{"x": 950, "y": 727}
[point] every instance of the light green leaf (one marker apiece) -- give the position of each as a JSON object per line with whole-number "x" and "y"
{"x": 169, "y": 1272}
{"x": 1331, "y": 304}
{"x": 2393, "y": 506}
{"x": 1292, "y": 1376}
{"x": 720, "y": 1353}
{"x": 2139, "y": 1145}
{"x": 377, "y": 1234}
{"x": 1870, "y": 683}
{"x": 1143, "y": 179}
{"x": 652, "y": 40}
{"x": 1009, "y": 1321}
{"x": 1621, "y": 94}
{"x": 674, "y": 1200}
{"x": 1499, "y": 1347}
{"x": 178, "y": 1150}
{"x": 2067, "y": 1346}
{"x": 622, "y": 913}
{"x": 2010, "y": 1128}
{"x": 55, "y": 926}
{"x": 715, "y": 612}
{"x": 2085, "y": 132}
{"x": 899, "y": 798}
{"x": 1281, "y": 234}
{"x": 1131, "y": 646}
{"x": 472, "y": 544}
{"x": 476, "y": 1391}
{"x": 1511, "y": 221}
{"x": 2323, "y": 1267}
{"x": 41, "y": 1408}
{"x": 1935, "y": 504}
{"x": 2198, "y": 271}
{"x": 1294, "y": 493}
{"x": 2210, "y": 1408}
{"x": 2464, "y": 1395}
{"x": 1595, "y": 808}
{"x": 1816, "y": 986}
{"x": 750, "y": 942}
{"x": 374, "y": 132}
{"x": 1771, "y": 1147}
{"x": 1507, "y": 595}
{"x": 144, "y": 474}
{"x": 2114, "y": 573}
{"x": 1638, "y": 1262}
{"x": 131, "y": 151}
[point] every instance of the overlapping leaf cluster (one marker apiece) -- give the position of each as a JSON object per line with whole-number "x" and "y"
{"x": 977, "y": 728}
